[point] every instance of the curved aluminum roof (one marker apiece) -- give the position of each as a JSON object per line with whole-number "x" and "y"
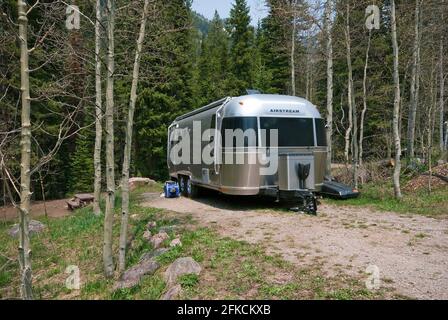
{"x": 270, "y": 105}
{"x": 261, "y": 105}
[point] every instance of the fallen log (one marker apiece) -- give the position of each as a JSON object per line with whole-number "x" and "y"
{"x": 443, "y": 178}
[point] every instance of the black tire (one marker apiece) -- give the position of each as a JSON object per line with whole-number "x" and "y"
{"x": 191, "y": 190}
{"x": 182, "y": 185}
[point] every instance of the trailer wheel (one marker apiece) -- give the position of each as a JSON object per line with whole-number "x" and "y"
{"x": 182, "y": 185}
{"x": 192, "y": 191}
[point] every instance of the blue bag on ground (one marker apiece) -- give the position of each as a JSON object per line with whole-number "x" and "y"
{"x": 171, "y": 189}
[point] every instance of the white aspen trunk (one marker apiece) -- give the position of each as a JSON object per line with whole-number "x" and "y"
{"x": 396, "y": 116}
{"x": 355, "y": 146}
{"x": 25, "y": 143}
{"x": 415, "y": 80}
{"x": 431, "y": 124}
{"x": 293, "y": 50}
{"x": 442, "y": 91}
{"x": 98, "y": 113}
{"x": 307, "y": 73}
{"x": 328, "y": 11}
{"x": 417, "y": 95}
{"x": 430, "y": 151}
{"x": 110, "y": 172}
{"x": 434, "y": 105}
{"x": 128, "y": 143}
{"x": 350, "y": 93}
{"x": 364, "y": 101}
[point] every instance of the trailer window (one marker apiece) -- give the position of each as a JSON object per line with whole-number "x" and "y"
{"x": 247, "y": 124}
{"x": 321, "y": 133}
{"x": 292, "y": 132}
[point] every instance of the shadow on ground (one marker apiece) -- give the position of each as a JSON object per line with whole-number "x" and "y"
{"x": 221, "y": 201}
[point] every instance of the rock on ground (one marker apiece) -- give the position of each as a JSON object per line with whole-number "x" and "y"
{"x": 176, "y": 242}
{"x": 181, "y": 267}
{"x": 34, "y": 227}
{"x": 158, "y": 239}
{"x": 132, "y": 276}
{"x": 172, "y": 293}
{"x": 138, "y": 182}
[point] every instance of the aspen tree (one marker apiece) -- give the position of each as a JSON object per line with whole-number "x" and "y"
{"x": 110, "y": 171}
{"x": 396, "y": 114}
{"x": 128, "y": 143}
{"x": 25, "y": 170}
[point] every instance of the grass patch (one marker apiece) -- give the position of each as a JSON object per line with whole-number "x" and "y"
{"x": 188, "y": 280}
{"x": 380, "y": 196}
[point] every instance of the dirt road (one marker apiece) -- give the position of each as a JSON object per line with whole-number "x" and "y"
{"x": 54, "y": 209}
{"x": 411, "y": 252}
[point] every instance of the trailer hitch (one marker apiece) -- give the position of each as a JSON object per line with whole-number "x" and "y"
{"x": 307, "y": 202}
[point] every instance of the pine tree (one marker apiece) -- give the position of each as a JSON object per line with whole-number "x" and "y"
{"x": 241, "y": 51}
{"x": 81, "y": 164}
{"x": 213, "y": 63}
{"x": 263, "y": 75}
{"x": 274, "y": 56}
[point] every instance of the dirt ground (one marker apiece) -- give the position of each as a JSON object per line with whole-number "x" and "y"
{"x": 55, "y": 209}
{"x": 410, "y": 251}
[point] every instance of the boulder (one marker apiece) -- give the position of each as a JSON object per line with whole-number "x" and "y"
{"x": 176, "y": 242}
{"x": 158, "y": 239}
{"x": 172, "y": 293}
{"x": 34, "y": 228}
{"x": 181, "y": 267}
{"x": 140, "y": 182}
{"x": 133, "y": 275}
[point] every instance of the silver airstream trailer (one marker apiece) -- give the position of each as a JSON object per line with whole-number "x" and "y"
{"x": 298, "y": 154}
